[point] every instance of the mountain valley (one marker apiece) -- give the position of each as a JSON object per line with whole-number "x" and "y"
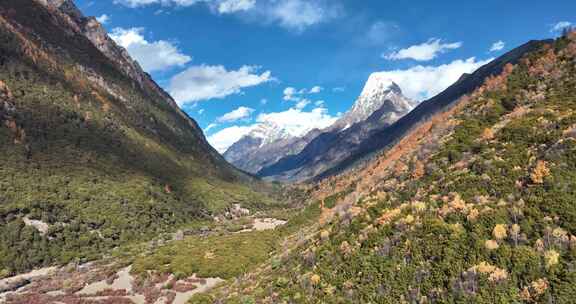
{"x": 110, "y": 191}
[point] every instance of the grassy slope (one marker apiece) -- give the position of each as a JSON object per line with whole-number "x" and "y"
{"x": 482, "y": 212}
{"x": 100, "y": 170}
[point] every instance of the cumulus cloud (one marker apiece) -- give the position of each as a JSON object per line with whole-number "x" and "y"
{"x": 295, "y": 15}
{"x": 153, "y": 56}
{"x": 560, "y": 26}
{"x": 423, "y": 52}
{"x": 295, "y": 121}
{"x": 103, "y": 19}
{"x": 224, "y": 138}
{"x": 422, "y": 82}
{"x": 289, "y": 93}
{"x": 206, "y": 82}
{"x": 238, "y": 114}
{"x": 497, "y": 46}
{"x": 293, "y": 94}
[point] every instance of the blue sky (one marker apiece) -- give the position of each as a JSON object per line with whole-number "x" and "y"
{"x": 299, "y": 63}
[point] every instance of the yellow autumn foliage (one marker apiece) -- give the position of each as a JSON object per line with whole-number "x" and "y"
{"x": 551, "y": 257}
{"x": 491, "y": 245}
{"x": 499, "y": 232}
{"x": 315, "y": 279}
{"x": 540, "y": 172}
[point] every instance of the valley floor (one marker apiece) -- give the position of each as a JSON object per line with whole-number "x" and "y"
{"x": 164, "y": 271}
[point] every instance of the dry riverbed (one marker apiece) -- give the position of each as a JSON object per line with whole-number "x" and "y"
{"x": 110, "y": 283}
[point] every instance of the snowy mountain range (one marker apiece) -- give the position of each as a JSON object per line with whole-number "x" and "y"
{"x": 268, "y": 142}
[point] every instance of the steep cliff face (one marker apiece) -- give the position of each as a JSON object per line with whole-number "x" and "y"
{"x": 91, "y": 146}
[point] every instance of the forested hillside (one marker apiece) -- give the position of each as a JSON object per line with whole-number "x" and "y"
{"x": 475, "y": 205}
{"x": 93, "y": 154}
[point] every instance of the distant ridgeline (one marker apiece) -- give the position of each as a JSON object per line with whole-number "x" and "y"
{"x": 473, "y": 204}
{"x": 92, "y": 152}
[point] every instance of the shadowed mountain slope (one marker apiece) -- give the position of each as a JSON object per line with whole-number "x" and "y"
{"x": 92, "y": 152}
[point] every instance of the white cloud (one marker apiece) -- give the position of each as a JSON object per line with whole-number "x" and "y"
{"x": 231, "y": 6}
{"x": 296, "y": 15}
{"x": 293, "y": 94}
{"x": 295, "y": 121}
{"x": 497, "y": 46}
{"x": 153, "y": 56}
{"x": 560, "y": 26}
{"x": 208, "y": 82}
{"x": 316, "y": 89}
{"x": 210, "y": 126}
{"x": 320, "y": 103}
{"x": 240, "y": 113}
{"x": 224, "y": 138}
{"x": 338, "y": 89}
{"x": 303, "y": 103}
{"x": 263, "y": 101}
{"x": 201, "y": 111}
{"x": 289, "y": 93}
{"x": 103, "y": 19}
{"x": 136, "y": 3}
{"x": 422, "y": 82}
{"x": 222, "y": 6}
{"x": 423, "y": 52}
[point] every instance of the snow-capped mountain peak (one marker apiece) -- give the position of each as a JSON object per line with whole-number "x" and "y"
{"x": 377, "y": 91}
{"x": 377, "y": 84}
{"x": 269, "y": 132}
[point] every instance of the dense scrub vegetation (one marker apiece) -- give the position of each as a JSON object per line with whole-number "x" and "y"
{"x": 89, "y": 160}
{"x": 486, "y": 214}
